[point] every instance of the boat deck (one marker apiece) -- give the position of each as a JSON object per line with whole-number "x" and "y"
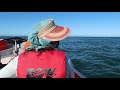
{"x": 5, "y": 60}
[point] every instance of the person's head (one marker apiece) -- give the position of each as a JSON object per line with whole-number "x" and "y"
{"x": 46, "y": 35}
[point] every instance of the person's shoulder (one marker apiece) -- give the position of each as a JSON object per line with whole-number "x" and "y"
{"x": 21, "y": 54}
{"x": 59, "y": 52}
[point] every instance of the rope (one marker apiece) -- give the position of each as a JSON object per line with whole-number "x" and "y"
{"x": 15, "y": 52}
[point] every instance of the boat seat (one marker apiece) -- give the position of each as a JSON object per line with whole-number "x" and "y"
{"x": 3, "y": 45}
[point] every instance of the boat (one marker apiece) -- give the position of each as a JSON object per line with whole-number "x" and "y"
{"x": 10, "y": 47}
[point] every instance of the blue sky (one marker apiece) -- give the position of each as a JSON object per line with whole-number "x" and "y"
{"x": 80, "y": 23}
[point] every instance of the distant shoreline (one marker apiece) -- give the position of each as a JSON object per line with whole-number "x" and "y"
{"x": 75, "y": 36}
{"x": 96, "y": 36}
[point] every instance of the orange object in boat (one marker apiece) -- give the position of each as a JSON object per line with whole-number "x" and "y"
{"x": 27, "y": 44}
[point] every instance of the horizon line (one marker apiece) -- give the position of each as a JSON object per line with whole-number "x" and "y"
{"x": 68, "y": 36}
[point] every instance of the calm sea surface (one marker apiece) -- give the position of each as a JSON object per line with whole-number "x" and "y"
{"x": 95, "y": 57}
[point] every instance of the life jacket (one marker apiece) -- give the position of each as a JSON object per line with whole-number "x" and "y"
{"x": 49, "y": 64}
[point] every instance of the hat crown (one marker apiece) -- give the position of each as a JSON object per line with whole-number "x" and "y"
{"x": 45, "y": 23}
{"x": 47, "y": 30}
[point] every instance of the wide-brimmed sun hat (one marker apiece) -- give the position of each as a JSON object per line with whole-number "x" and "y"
{"x": 52, "y": 32}
{"x": 46, "y": 32}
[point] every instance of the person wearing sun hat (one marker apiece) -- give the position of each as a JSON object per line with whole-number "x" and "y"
{"x": 46, "y": 32}
{"x": 41, "y": 58}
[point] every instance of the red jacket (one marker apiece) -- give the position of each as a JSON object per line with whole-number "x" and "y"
{"x": 50, "y": 64}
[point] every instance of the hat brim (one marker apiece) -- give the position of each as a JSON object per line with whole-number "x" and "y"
{"x": 56, "y": 34}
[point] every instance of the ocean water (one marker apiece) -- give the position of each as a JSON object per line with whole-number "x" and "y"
{"x": 94, "y": 57}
